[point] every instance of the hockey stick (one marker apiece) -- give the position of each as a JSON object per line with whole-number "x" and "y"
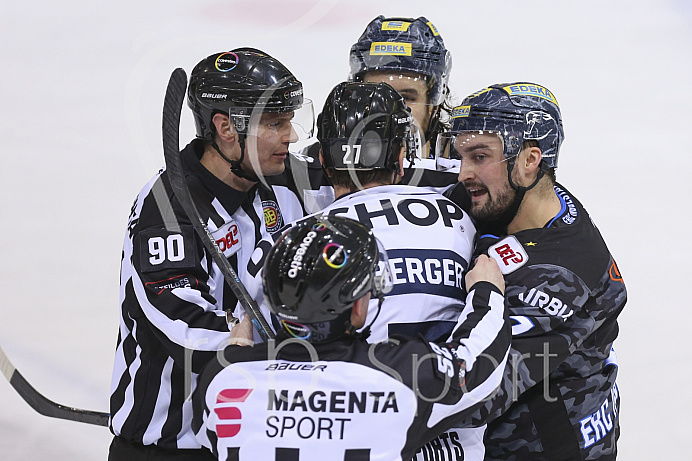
{"x": 172, "y": 104}
{"x": 43, "y": 405}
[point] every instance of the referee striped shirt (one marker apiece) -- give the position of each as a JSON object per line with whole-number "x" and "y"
{"x": 173, "y": 295}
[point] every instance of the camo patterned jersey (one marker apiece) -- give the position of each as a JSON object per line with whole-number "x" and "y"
{"x": 564, "y": 293}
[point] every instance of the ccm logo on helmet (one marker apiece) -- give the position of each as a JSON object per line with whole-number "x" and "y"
{"x": 297, "y": 261}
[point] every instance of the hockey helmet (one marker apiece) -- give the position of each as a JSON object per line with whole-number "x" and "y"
{"x": 363, "y": 127}
{"x": 316, "y": 271}
{"x": 516, "y": 112}
{"x": 239, "y": 82}
{"x": 404, "y": 45}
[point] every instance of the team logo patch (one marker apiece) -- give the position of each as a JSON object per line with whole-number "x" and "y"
{"x": 226, "y": 62}
{"x": 509, "y": 254}
{"x": 229, "y": 416}
{"x": 227, "y": 237}
{"x": 272, "y": 216}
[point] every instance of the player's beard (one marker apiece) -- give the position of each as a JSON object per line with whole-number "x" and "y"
{"x": 496, "y": 205}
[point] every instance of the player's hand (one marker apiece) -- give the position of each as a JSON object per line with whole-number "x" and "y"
{"x": 485, "y": 270}
{"x": 241, "y": 333}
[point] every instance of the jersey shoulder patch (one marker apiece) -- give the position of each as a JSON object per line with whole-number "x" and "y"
{"x": 161, "y": 249}
{"x": 509, "y": 254}
{"x": 227, "y": 237}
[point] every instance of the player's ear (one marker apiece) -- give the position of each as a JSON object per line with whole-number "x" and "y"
{"x": 224, "y": 128}
{"x": 527, "y": 165}
{"x": 359, "y": 313}
{"x": 532, "y": 159}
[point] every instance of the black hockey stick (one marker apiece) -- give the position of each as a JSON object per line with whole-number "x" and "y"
{"x": 172, "y": 104}
{"x": 43, "y": 405}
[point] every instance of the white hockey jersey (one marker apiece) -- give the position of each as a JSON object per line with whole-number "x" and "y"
{"x": 429, "y": 243}
{"x": 347, "y": 400}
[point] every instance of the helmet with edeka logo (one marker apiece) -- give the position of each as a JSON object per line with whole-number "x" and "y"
{"x": 519, "y": 112}
{"x": 403, "y": 45}
{"x": 314, "y": 274}
{"x": 236, "y": 83}
{"x": 363, "y": 127}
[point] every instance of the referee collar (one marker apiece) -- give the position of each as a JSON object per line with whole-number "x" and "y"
{"x": 231, "y": 199}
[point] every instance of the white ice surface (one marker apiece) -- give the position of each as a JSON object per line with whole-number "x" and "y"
{"x": 81, "y": 91}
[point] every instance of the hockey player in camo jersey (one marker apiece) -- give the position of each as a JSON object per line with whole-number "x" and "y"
{"x": 321, "y": 392}
{"x": 174, "y": 303}
{"x": 559, "y": 398}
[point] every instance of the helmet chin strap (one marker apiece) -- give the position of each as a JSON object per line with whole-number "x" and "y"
{"x": 432, "y": 124}
{"x": 397, "y": 167}
{"x": 432, "y": 129}
{"x": 236, "y": 165}
{"x": 510, "y": 167}
{"x": 365, "y": 332}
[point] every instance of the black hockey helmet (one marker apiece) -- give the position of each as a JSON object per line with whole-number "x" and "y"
{"x": 236, "y": 83}
{"x": 403, "y": 45}
{"x": 363, "y": 127}
{"x": 316, "y": 271}
{"x": 517, "y": 112}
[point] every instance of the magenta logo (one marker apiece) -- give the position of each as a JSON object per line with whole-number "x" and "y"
{"x": 230, "y": 416}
